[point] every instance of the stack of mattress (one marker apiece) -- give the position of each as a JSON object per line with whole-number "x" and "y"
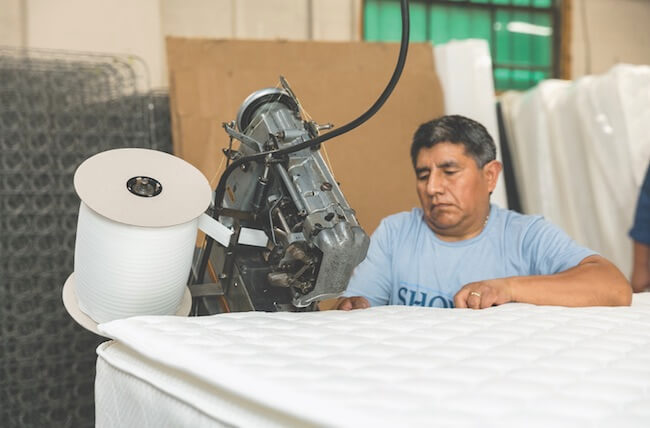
{"x": 508, "y": 366}
{"x": 580, "y": 151}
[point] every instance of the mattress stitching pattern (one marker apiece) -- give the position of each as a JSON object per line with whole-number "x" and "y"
{"x": 342, "y": 368}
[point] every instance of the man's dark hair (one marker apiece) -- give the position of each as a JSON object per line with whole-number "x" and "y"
{"x": 457, "y": 130}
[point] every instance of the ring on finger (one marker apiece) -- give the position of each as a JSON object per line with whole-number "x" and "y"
{"x": 475, "y": 293}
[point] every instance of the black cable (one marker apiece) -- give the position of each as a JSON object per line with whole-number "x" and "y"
{"x": 399, "y": 67}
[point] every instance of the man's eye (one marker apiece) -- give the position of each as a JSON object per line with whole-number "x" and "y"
{"x": 423, "y": 177}
{"x": 450, "y": 172}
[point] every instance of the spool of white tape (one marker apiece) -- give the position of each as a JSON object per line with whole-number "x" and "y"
{"x": 123, "y": 270}
{"x": 136, "y": 233}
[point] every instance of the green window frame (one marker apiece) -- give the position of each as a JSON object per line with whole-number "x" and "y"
{"x": 523, "y": 35}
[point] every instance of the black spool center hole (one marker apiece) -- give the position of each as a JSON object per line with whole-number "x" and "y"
{"x": 146, "y": 187}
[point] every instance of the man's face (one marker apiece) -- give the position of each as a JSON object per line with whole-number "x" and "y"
{"x": 453, "y": 190}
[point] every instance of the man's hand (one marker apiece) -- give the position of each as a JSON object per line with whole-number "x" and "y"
{"x": 356, "y": 302}
{"x": 483, "y": 294}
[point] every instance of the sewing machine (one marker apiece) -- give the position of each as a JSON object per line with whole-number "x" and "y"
{"x": 296, "y": 240}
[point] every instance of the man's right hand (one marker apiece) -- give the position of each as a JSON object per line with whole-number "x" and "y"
{"x": 356, "y": 302}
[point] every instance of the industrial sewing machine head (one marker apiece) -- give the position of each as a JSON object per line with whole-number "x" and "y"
{"x": 286, "y": 237}
{"x": 296, "y": 240}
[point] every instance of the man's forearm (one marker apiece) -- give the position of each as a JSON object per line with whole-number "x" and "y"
{"x": 594, "y": 282}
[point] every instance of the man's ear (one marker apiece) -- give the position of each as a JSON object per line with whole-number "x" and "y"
{"x": 491, "y": 171}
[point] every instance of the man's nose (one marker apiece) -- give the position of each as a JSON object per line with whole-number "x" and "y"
{"x": 435, "y": 184}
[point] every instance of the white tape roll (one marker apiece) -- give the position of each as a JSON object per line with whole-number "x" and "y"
{"x": 123, "y": 270}
{"x": 134, "y": 248}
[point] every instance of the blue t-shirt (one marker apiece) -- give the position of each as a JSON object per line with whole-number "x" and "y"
{"x": 407, "y": 264}
{"x": 640, "y": 231}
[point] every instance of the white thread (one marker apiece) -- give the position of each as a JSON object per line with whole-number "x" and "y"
{"x": 123, "y": 270}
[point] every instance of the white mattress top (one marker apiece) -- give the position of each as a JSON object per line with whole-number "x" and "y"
{"x": 512, "y": 365}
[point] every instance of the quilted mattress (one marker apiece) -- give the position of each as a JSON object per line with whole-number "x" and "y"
{"x": 508, "y": 366}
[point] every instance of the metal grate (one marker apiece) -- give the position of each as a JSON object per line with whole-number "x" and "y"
{"x": 56, "y": 109}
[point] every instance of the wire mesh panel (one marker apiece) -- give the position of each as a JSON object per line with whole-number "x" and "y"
{"x": 56, "y": 110}
{"x": 162, "y": 127}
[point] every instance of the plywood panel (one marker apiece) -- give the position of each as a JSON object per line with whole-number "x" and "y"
{"x": 335, "y": 82}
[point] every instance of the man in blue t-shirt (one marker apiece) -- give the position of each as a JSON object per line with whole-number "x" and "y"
{"x": 640, "y": 234}
{"x": 458, "y": 250}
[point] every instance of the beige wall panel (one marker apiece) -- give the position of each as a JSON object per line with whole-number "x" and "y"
{"x": 617, "y": 30}
{"x": 197, "y": 18}
{"x": 272, "y": 19}
{"x": 11, "y": 23}
{"x": 334, "y": 20}
{"x": 115, "y": 26}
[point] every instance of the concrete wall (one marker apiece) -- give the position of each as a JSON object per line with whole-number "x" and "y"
{"x": 617, "y": 30}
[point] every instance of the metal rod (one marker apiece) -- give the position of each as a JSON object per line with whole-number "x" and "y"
{"x": 283, "y": 220}
{"x": 293, "y": 193}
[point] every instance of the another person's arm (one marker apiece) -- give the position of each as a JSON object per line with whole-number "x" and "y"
{"x": 640, "y": 279}
{"x": 640, "y": 233}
